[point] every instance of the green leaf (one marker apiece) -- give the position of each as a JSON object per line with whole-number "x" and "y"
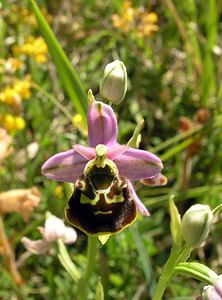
{"x": 2, "y": 36}
{"x": 196, "y": 270}
{"x": 99, "y": 291}
{"x": 67, "y": 74}
{"x": 145, "y": 259}
{"x": 67, "y": 263}
{"x": 175, "y": 223}
{"x": 217, "y": 210}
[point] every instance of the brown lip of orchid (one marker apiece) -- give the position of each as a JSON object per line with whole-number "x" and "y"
{"x": 127, "y": 163}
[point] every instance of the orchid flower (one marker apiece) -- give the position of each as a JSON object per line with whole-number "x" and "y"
{"x": 53, "y": 230}
{"x": 212, "y": 292}
{"x": 104, "y": 200}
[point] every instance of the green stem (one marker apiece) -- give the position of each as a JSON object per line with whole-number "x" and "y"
{"x": 91, "y": 257}
{"x": 53, "y": 100}
{"x": 176, "y": 256}
{"x": 67, "y": 262}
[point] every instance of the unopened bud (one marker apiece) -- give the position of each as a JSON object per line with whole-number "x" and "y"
{"x": 113, "y": 85}
{"x": 196, "y": 224}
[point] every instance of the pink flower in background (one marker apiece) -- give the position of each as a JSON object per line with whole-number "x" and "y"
{"x": 212, "y": 292}
{"x": 53, "y": 230}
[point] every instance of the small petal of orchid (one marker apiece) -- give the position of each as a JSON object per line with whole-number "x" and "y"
{"x": 137, "y": 164}
{"x": 87, "y": 152}
{"x": 54, "y": 229}
{"x": 69, "y": 236}
{"x": 116, "y": 150}
{"x": 102, "y": 125}
{"x": 141, "y": 208}
{"x": 36, "y": 247}
{"x": 159, "y": 180}
{"x": 64, "y": 166}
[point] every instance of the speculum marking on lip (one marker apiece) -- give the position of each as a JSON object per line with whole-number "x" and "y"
{"x": 102, "y": 217}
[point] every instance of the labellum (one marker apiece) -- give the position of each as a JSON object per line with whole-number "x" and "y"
{"x": 102, "y": 201}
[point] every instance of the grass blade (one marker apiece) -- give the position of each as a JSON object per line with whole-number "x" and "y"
{"x": 67, "y": 74}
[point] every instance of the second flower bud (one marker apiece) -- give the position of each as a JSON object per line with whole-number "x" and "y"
{"x": 113, "y": 85}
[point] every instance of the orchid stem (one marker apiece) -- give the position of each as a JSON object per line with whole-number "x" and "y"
{"x": 83, "y": 283}
{"x": 176, "y": 256}
{"x": 91, "y": 256}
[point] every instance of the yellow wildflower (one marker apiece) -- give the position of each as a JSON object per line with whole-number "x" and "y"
{"x": 77, "y": 121}
{"x": 135, "y": 20}
{"x": 33, "y": 47}
{"x": 19, "y": 123}
{"x": 28, "y": 17}
{"x": 22, "y": 87}
{"x": 20, "y": 90}
{"x": 12, "y": 123}
{"x": 10, "y": 96}
{"x": 150, "y": 17}
{"x": 125, "y": 20}
{"x": 41, "y": 58}
{"x": 7, "y": 121}
{"x": 147, "y": 25}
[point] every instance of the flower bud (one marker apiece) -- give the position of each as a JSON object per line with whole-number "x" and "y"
{"x": 113, "y": 85}
{"x": 196, "y": 224}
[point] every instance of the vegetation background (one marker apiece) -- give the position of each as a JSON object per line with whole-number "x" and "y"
{"x": 172, "y": 51}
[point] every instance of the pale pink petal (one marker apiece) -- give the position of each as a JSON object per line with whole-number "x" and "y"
{"x": 54, "y": 229}
{"x": 218, "y": 285}
{"x": 64, "y": 166}
{"x": 137, "y": 164}
{"x": 36, "y": 247}
{"x": 210, "y": 293}
{"x": 69, "y": 236}
{"x": 140, "y": 206}
{"x": 102, "y": 125}
{"x": 87, "y": 152}
{"x": 116, "y": 150}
